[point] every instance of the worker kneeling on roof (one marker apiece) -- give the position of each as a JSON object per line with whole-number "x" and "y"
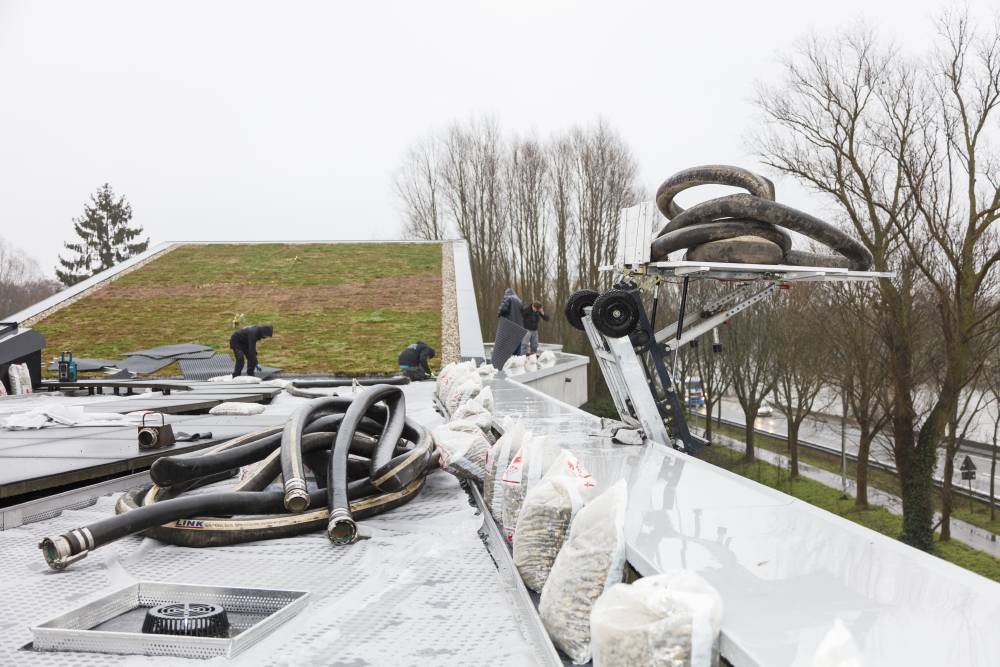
{"x": 413, "y": 360}
{"x": 244, "y": 345}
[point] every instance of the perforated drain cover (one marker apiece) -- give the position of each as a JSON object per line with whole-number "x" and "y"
{"x": 191, "y": 619}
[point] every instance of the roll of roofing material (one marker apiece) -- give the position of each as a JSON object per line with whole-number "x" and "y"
{"x": 386, "y": 460}
{"x": 713, "y": 230}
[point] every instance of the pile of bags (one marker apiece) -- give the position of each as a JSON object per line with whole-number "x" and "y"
{"x": 568, "y": 540}
{"x": 20, "y": 380}
{"x": 464, "y": 441}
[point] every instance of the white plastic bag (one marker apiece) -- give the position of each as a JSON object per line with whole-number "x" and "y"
{"x": 514, "y": 363}
{"x": 524, "y": 470}
{"x": 25, "y": 379}
{"x": 16, "y": 380}
{"x": 486, "y": 371}
{"x": 548, "y": 509}
{"x": 473, "y": 411}
{"x": 239, "y": 379}
{"x": 591, "y": 561}
{"x": 530, "y": 363}
{"x": 237, "y": 409}
{"x": 497, "y": 460}
{"x": 667, "y": 620}
{"x": 452, "y": 374}
{"x": 546, "y": 358}
{"x": 459, "y": 394}
{"x": 463, "y": 449}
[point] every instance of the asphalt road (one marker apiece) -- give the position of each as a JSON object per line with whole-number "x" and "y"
{"x": 827, "y": 434}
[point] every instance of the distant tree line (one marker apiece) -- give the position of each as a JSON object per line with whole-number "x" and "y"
{"x": 21, "y": 281}
{"x": 540, "y": 215}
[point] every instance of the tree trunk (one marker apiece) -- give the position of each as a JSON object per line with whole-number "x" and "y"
{"x": 708, "y": 419}
{"x": 793, "y": 448}
{"x": 993, "y": 467}
{"x": 861, "y": 473}
{"x": 917, "y": 488}
{"x": 947, "y": 495}
{"x": 748, "y": 454}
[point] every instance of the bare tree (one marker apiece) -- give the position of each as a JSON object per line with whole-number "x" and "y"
{"x": 802, "y": 362}
{"x": 417, "y": 184}
{"x": 528, "y": 209}
{"x": 21, "y": 280}
{"x": 859, "y": 369}
{"x": 711, "y": 368}
{"x": 749, "y": 359}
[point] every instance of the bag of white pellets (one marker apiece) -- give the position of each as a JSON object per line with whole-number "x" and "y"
{"x": 451, "y": 374}
{"x": 497, "y": 460}
{"x": 546, "y": 514}
{"x": 591, "y": 561}
{"x": 524, "y": 470}
{"x": 462, "y": 392}
{"x": 463, "y": 449}
{"x": 667, "y": 620}
{"x": 20, "y": 379}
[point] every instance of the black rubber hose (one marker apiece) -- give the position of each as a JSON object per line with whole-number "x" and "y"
{"x": 709, "y": 174}
{"x": 755, "y": 208}
{"x": 169, "y": 470}
{"x": 694, "y": 235}
{"x": 342, "y": 529}
{"x": 292, "y": 465}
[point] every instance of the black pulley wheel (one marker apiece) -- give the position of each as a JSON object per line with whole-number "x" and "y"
{"x": 615, "y": 313}
{"x": 576, "y": 303}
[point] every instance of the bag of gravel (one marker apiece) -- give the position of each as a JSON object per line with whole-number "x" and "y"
{"x": 453, "y": 373}
{"x": 523, "y": 471}
{"x": 458, "y": 394}
{"x": 497, "y": 460}
{"x": 667, "y": 620}
{"x": 463, "y": 449}
{"x": 545, "y": 517}
{"x": 590, "y": 562}
{"x": 475, "y": 413}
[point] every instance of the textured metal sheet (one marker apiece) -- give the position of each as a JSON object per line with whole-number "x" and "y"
{"x": 164, "y": 351}
{"x": 218, "y": 364}
{"x": 508, "y": 341}
{"x": 141, "y": 364}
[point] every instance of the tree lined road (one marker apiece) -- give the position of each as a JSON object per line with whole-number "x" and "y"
{"x": 827, "y": 435}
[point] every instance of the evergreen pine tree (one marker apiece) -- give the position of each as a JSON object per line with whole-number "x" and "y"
{"x": 106, "y": 237}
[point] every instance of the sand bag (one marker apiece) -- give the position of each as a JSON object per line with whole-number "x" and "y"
{"x": 463, "y": 449}
{"x": 473, "y": 411}
{"x": 667, "y": 620}
{"x": 497, "y": 460}
{"x": 452, "y": 374}
{"x": 458, "y": 394}
{"x": 236, "y": 409}
{"x": 16, "y": 381}
{"x": 590, "y": 562}
{"x": 546, "y": 514}
{"x": 546, "y": 358}
{"x": 514, "y": 363}
{"x": 524, "y": 470}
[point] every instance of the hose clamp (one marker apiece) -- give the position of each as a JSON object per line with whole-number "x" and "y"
{"x": 342, "y": 528}
{"x": 58, "y": 552}
{"x": 296, "y": 495}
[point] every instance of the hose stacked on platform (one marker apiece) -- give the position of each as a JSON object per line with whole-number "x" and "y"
{"x": 366, "y": 456}
{"x": 745, "y": 228}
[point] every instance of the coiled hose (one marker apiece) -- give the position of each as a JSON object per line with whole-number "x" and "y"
{"x": 366, "y": 456}
{"x": 745, "y": 228}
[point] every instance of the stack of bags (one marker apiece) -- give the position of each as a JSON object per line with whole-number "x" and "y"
{"x": 20, "y": 380}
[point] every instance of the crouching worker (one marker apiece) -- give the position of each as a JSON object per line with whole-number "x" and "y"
{"x": 413, "y": 360}
{"x": 244, "y": 345}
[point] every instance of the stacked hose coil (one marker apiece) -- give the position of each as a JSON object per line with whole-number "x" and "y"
{"x": 748, "y": 227}
{"x": 365, "y": 455}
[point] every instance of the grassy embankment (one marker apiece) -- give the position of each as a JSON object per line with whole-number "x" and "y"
{"x": 336, "y": 308}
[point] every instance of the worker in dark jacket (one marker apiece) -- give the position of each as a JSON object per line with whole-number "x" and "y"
{"x": 244, "y": 345}
{"x": 511, "y": 307}
{"x": 413, "y": 360}
{"x": 531, "y": 314}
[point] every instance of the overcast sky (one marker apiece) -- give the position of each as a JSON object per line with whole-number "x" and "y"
{"x": 286, "y": 120}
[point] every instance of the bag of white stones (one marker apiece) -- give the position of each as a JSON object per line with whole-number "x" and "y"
{"x": 497, "y": 459}
{"x": 590, "y": 562}
{"x": 525, "y": 469}
{"x": 667, "y": 620}
{"x": 546, "y": 514}
{"x": 463, "y": 448}
{"x": 452, "y": 373}
{"x": 478, "y": 410}
{"x": 467, "y": 388}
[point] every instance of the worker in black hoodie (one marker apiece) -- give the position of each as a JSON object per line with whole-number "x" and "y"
{"x": 244, "y": 346}
{"x": 413, "y": 360}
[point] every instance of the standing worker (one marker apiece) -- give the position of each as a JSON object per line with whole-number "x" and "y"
{"x": 244, "y": 345}
{"x": 413, "y": 360}
{"x": 531, "y": 315}
{"x": 511, "y": 307}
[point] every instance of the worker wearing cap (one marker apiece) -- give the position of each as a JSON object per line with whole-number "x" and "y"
{"x": 413, "y": 360}
{"x": 243, "y": 343}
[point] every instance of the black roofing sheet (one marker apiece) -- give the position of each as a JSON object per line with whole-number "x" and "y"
{"x": 164, "y": 351}
{"x": 219, "y": 364}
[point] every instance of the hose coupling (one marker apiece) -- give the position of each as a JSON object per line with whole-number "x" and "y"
{"x": 296, "y": 496}
{"x": 342, "y": 529}
{"x": 59, "y": 553}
